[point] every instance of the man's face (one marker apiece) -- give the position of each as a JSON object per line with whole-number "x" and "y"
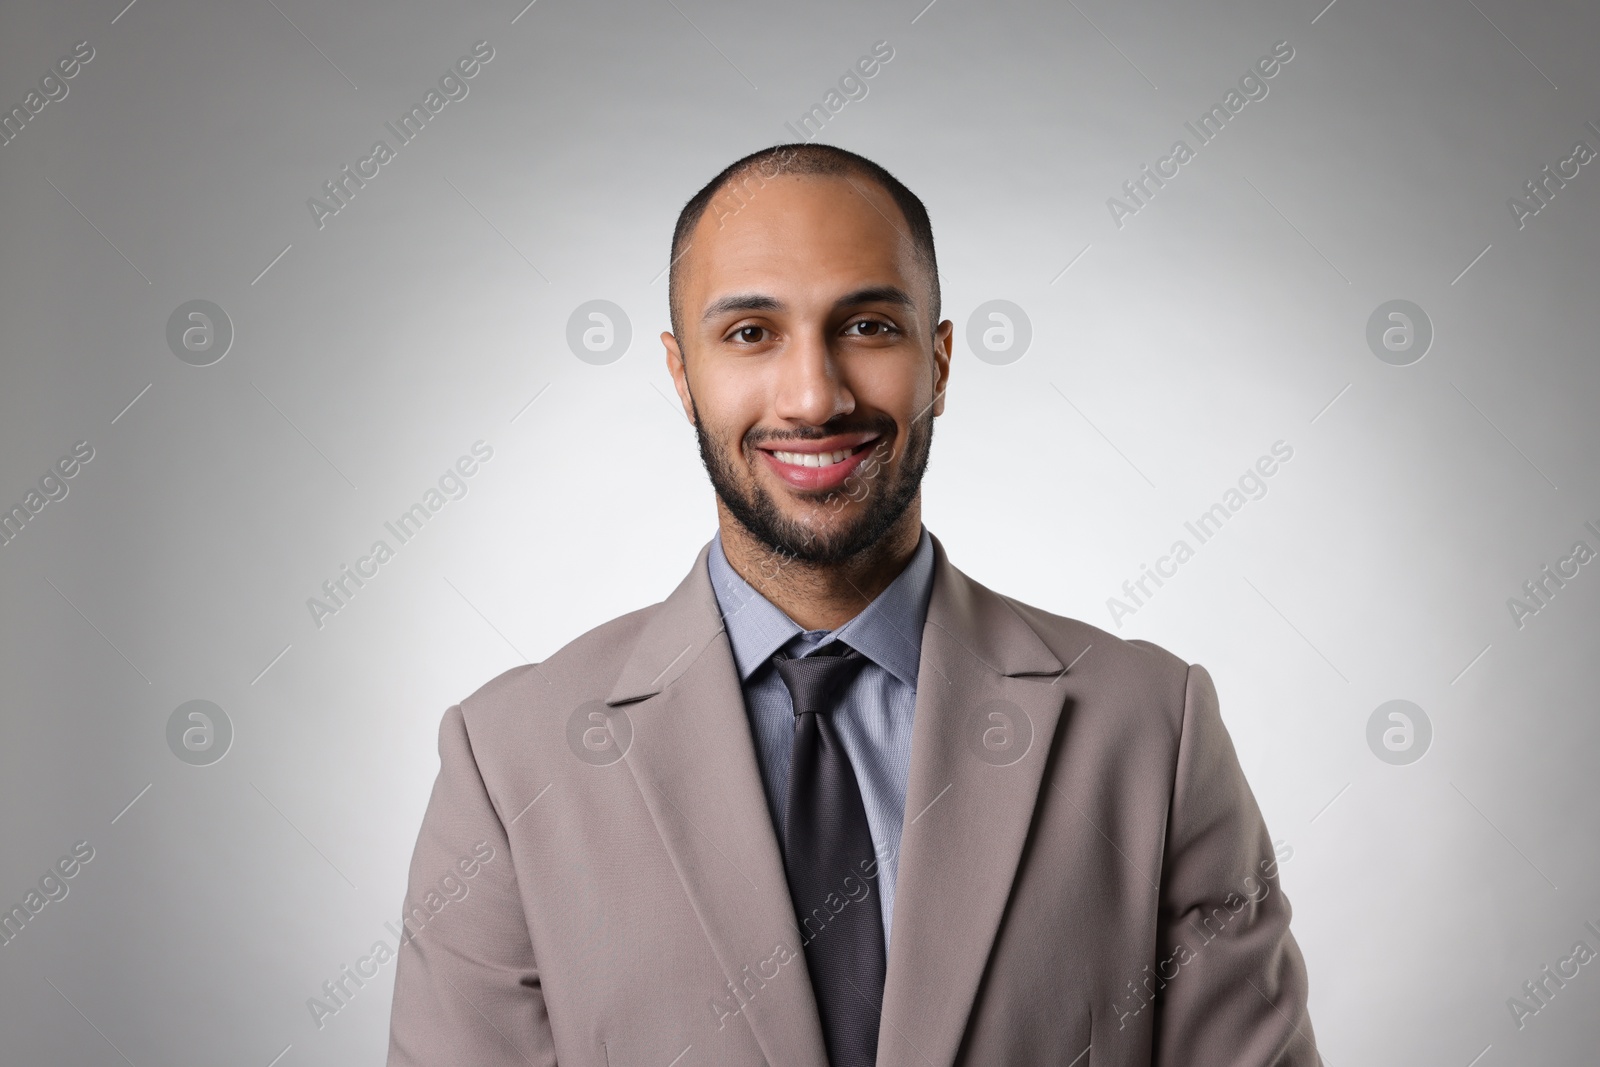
{"x": 808, "y": 363}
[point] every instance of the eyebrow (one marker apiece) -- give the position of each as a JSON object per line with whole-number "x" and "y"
{"x": 872, "y": 294}
{"x": 741, "y": 302}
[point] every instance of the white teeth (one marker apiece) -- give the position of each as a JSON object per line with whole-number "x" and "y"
{"x": 812, "y": 459}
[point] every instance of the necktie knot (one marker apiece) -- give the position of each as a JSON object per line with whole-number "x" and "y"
{"x": 817, "y": 681}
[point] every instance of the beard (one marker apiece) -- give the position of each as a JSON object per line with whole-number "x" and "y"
{"x": 885, "y": 494}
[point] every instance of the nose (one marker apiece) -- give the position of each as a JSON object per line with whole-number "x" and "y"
{"x": 810, "y": 387}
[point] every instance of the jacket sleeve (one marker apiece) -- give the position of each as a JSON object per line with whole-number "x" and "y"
{"x": 1234, "y": 980}
{"x": 466, "y": 987}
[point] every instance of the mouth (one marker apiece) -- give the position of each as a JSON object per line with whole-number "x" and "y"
{"x": 819, "y": 465}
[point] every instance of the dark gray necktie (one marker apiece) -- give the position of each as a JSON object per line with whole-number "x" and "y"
{"x": 827, "y": 852}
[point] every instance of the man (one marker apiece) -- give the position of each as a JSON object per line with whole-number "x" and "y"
{"x": 832, "y": 801}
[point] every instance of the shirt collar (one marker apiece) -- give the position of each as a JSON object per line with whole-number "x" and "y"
{"x": 888, "y": 631}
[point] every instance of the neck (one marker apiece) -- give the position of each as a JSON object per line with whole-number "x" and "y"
{"x": 821, "y": 596}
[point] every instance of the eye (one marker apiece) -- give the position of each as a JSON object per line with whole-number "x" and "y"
{"x": 748, "y": 334}
{"x": 871, "y": 328}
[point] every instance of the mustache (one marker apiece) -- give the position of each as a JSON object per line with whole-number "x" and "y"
{"x": 883, "y": 427}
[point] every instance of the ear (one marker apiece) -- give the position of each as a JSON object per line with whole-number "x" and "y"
{"x": 680, "y": 373}
{"x": 943, "y": 340}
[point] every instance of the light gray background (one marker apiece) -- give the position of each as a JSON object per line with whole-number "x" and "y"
{"x": 1228, "y": 314}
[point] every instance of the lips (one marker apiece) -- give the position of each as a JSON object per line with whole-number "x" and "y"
{"x": 818, "y": 465}
{"x": 813, "y": 459}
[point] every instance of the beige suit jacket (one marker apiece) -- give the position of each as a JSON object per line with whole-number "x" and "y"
{"x": 1084, "y": 876}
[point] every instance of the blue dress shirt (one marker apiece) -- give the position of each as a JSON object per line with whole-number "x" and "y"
{"x": 874, "y": 718}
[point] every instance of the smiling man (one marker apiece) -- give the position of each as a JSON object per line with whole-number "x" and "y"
{"x": 832, "y": 801}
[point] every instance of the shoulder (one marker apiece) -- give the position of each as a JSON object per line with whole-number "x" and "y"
{"x": 1112, "y": 669}
{"x": 582, "y": 670}
{"x": 1065, "y": 634}
{"x": 1130, "y": 675}
{"x": 1133, "y": 708}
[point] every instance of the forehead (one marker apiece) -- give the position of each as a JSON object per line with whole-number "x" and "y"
{"x": 795, "y": 234}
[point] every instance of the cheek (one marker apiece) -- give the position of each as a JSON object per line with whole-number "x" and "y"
{"x": 900, "y": 388}
{"x": 728, "y": 411}
{"x": 732, "y": 399}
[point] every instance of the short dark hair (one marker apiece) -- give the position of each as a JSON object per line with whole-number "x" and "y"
{"x": 801, "y": 159}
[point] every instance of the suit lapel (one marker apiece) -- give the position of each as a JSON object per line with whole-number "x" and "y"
{"x": 986, "y": 716}
{"x": 693, "y": 758}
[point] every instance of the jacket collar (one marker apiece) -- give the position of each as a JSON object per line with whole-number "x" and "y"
{"x": 974, "y": 617}
{"x": 888, "y": 631}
